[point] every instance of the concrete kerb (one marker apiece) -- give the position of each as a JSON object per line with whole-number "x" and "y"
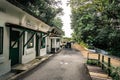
{"x": 87, "y": 70}
{"x": 16, "y": 77}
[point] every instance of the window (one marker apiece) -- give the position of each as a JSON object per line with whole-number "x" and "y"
{"x": 58, "y": 40}
{"x": 1, "y": 40}
{"x": 31, "y": 42}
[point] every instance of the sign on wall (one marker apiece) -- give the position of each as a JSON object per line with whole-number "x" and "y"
{"x": 30, "y": 25}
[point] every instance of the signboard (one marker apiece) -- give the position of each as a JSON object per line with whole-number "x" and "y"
{"x": 30, "y": 25}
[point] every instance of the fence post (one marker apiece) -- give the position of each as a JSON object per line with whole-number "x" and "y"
{"x": 102, "y": 61}
{"x": 109, "y": 65}
{"x": 98, "y": 59}
{"x": 88, "y": 56}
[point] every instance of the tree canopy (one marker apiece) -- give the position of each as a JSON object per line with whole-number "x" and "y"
{"x": 46, "y": 10}
{"x": 97, "y": 23}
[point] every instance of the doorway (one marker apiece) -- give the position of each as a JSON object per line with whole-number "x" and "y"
{"x": 14, "y": 50}
{"x": 38, "y": 42}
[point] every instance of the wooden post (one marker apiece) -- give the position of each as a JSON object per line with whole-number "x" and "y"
{"x": 88, "y": 56}
{"x": 109, "y": 65}
{"x": 98, "y": 59}
{"x": 102, "y": 61}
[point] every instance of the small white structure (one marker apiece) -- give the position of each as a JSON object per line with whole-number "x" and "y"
{"x": 54, "y": 40}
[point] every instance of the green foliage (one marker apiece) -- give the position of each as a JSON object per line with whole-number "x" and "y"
{"x": 67, "y": 39}
{"x": 97, "y": 23}
{"x": 92, "y": 62}
{"x": 57, "y": 22}
{"x": 83, "y": 44}
{"x": 46, "y": 10}
{"x": 115, "y": 73}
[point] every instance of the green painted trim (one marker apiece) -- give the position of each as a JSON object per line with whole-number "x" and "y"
{"x": 38, "y": 44}
{"x": 2, "y": 39}
{"x": 18, "y": 39}
{"x": 14, "y": 51}
{"x": 23, "y": 43}
{"x": 43, "y": 40}
{"x": 10, "y": 41}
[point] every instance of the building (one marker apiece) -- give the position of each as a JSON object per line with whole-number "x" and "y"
{"x": 23, "y": 37}
{"x": 54, "y": 40}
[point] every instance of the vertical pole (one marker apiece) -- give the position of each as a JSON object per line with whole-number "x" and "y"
{"x": 10, "y": 30}
{"x": 55, "y": 46}
{"x": 102, "y": 61}
{"x": 98, "y": 59}
{"x": 23, "y": 42}
{"x": 109, "y": 65}
{"x": 88, "y": 56}
{"x": 59, "y": 44}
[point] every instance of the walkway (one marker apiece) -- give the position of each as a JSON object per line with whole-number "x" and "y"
{"x": 67, "y": 65}
{"x": 96, "y": 72}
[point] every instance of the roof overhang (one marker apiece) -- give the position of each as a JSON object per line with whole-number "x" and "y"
{"x": 29, "y": 16}
{"x": 54, "y": 31}
{"x": 21, "y": 27}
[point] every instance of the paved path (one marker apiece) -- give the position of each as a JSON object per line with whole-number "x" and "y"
{"x": 67, "y": 65}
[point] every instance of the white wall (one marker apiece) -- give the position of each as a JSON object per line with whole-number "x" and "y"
{"x": 29, "y": 53}
{"x": 5, "y": 63}
{"x": 43, "y": 51}
{"x": 4, "y": 58}
{"x": 58, "y": 45}
{"x": 49, "y": 44}
{"x": 53, "y": 43}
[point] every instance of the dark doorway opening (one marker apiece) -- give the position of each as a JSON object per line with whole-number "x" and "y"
{"x": 14, "y": 50}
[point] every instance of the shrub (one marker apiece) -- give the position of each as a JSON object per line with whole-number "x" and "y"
{"x": 92, "y": 62}
{"x": 115, "y": 73}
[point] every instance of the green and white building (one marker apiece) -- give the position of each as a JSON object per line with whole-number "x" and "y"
{"x": 23, "y": 37}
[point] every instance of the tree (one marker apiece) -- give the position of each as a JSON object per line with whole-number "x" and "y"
{"x": 57, "y": 22}
{"x": 96, "y": 22}
{"x": 46, "y": 10}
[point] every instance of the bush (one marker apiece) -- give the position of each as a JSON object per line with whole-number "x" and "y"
{"x": 83, "y": 44}
{"x": 92, "y": 62}
{"x": 115, "y": 73}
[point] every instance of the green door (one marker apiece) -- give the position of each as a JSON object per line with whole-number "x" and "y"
{"x": 37, "y": 45}
{"x": 14, "y": 50}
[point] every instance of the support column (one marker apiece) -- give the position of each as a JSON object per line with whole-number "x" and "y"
{"x": 59, "y": 45}
{"x": 55, "y": 46}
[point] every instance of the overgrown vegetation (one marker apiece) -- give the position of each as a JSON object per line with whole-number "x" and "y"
{"x": 97, "y": 23}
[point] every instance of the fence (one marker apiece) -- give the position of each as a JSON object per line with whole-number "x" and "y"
{"x": 111, "y": 64}
{"x": 107, "y": 63}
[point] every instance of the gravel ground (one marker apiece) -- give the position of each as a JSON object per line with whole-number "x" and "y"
{"x": 67, "y": 65}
